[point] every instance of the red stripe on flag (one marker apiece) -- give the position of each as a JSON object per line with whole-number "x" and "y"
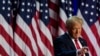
{"x": 11, "y": 42}
{"x": 43, "y": 37}
{"x": 94, "y": 30}
{"x": 25, "y": 38}
{"x": 53, "y": 6}
{"x": 35, "y": 38}
{"x": 62, "y": 24}
{"x": 91, "y": 48}
{"x": 3, "y": 52}
{"x": 46, "y": 42}
{"x": 54, "y": 23}
{"x": 36, "y": 17}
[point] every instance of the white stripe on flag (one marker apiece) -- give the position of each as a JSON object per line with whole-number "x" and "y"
{"x": 54, "y": 1}
{"x": 90, "y": 35}
{"x": 97, "y": 24}
{"x": 27, "y": 31}
{"x": 38, "y": 5}
{"x": 45, "y": 31}
{"x": 7, "y": 47}
{"x": 43, "y": 48}
{"x": 53, "y": 14}
{"x": 53, "y": 31}
{"x": 61, "y": 32}
{"x": 63, "y": 15}
{"x": 22, "y": 45}
{"x": 6, "y": 26}
{"x": 40, "y": 44}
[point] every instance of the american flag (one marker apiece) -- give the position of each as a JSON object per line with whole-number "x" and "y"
{"x": 28, "y": 27}
{"x": 91, "y": 16}
{"x": 24, "y": 28}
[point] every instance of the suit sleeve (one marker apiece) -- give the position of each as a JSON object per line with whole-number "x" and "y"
{"x": 61, "y": 49}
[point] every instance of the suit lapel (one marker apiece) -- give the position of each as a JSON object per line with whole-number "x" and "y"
{"x": 82, "y": 42}
{"x": 69, "y": 40}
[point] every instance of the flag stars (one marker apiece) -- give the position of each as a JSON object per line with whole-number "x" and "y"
{"x": 23, "y": 3}
{"x": 3, "y": 8}
{"x": 97, "y": 15}
{"x": 46, "y": 17}
{"x": 70, "y": 2}
{"x": 87, "y": 5}
{"x": 62, "y": 1}
{"x": 91, "y": 13}
{"x": 66, "y": 8}
{"x": 70, "y": 15}
{"x": 41, "y": 4}
{"x": 70, "y": 9}
{"x": 3, "y": 2}
{"x": 15, "y": 2}
{"x": 28, "y": 4}
{"x": 46, "y": 11}
{"x": 8, "y": 14}
{"x": 46, "y": 5}
{"x": 93, "y": 0}
{"x": 28, "y": 16}
{"x": 86, "y": 12}
{"x": 82, "y": 3}
{"x": 28, "y": 10}
{"x": 9, "y": 2}
{"x": 22, "y": 10}
{"x": 91, "y": 20}
{"x": 41, "y": 10}
{"x": 9, "y": 8}
{"x": 92, "y": 6}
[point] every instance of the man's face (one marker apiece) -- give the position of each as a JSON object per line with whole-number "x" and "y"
{"x": 75, "y": 30}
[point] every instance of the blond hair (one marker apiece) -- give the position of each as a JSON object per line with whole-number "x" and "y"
{"x": 72, "y": 20}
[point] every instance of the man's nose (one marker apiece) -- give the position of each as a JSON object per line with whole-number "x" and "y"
{"x": 77, "y": 31}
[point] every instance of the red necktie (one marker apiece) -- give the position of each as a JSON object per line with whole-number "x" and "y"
{"x": 76, "y": 43}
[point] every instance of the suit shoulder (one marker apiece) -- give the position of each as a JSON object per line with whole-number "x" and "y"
{"x": 81, "y": 39}
{"x": 62, "y": 37}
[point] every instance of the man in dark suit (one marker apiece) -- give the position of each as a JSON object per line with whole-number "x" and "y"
{"x": 70, "y": 43}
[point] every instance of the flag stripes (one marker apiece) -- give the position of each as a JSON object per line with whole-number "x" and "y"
{"x": 91, "y": 41}
{"x": 3, "y": 52}
{"x": 26, "y": 35}
{"x": 28, "y": 27}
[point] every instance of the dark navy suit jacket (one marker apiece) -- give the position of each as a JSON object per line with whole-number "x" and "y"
{"x": 64, "y": 46}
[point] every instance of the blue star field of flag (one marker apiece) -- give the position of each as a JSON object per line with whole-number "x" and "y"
{"x": 27, "y": 9}
{"x": 89, "y": 10}
{"x": 5, "y": 9}
{"x": 67, "y": 6}
{"x": 44, "y": 12}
